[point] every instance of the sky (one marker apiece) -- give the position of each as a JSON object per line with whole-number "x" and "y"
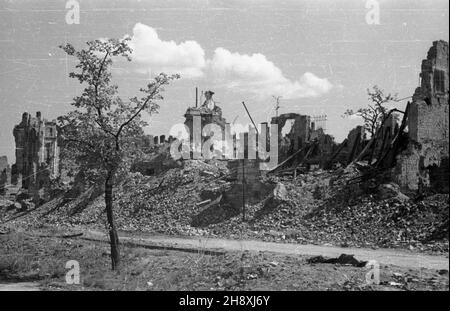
{"x": 320, "y": 56}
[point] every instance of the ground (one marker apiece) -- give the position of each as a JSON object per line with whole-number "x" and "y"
{"x": 163, "y": 226}
{"x": 40, "y": 257}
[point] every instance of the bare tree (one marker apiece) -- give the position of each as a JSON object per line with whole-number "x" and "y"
{"x": 375, "y": 112}
{"x": 99, "y": 131}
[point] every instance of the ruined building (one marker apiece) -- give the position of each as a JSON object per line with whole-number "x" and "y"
{"x": 298, "y": 135}
{"x": 293, "y": 132}
{"x": 208, "y": 112}
{"x": 413, "y": 153}
{"x": 410, "y": 147}
{"x": 425, "y": 162}
{"x": 3, "y": 163}
{"x": 37, "y": 152}
{"x": 5, "y": 173}
{"x": 157, "y": 157}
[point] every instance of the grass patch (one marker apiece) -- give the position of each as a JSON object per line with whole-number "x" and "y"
{"x": 25, "y": 257}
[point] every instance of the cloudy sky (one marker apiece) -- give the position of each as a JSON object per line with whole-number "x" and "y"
{"x": 319, "y": 55}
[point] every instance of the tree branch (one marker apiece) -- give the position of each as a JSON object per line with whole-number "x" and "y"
{"x": 97, "y": 79}
{"x": 138, "y": 111}
{"x": 133, "y": 117}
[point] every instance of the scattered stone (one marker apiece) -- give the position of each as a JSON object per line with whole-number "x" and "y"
{"x": 280, "y": 192}
{"x": 5, "y": 203}
{"x": 391, "y": 190}
{"x": 15, "y": 206}
{"x": 396, "y": 284}
{"x": 26, "y": 205}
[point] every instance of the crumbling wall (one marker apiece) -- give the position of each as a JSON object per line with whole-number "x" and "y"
{"x": 298, "y": 135}
{"x": 324, "y": 150}
{"x": 428, "y": 124}
{"x": 4, "y": 170}
{"x": 3, "y": 181}
{"x": 407, "y": 172}
{"x": 3, "y": 163}
{"x": 37, "y": 152}
{"x": 428, "y": 118}
{"x": 209, "y": 113}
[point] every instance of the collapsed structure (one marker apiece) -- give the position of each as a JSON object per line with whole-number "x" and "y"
{"x": 5, "y": 174}
{"x": 301, "y": 143}
{"x": 413, "y": 152}
{"x": 425, "y": 161}
{"x": 37, "y": 153}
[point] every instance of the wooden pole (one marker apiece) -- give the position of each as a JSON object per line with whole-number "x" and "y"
{"x": 394, "y": 145}
{"x": 243, "y": 190}
{"x": 354, "y": 148}
{"x": 285, "y": 161}
{"x": 311, "y": 148}
{"x": 373, "y": 138}
{"x": 338, "y": 150}
{"x": 196, "y": 97}
{"x": 251, "y": 119}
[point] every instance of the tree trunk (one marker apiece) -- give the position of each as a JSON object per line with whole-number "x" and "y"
{"x": 113, "y": 237}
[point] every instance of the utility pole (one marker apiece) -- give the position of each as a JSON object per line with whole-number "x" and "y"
{"x": 277, "y": 105}
{"x": 196, "y": 97}
{"x": 243, "y": 190}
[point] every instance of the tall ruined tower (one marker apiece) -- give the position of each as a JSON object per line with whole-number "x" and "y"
{"x": 425, "y": 162}
{"x": 37, "y": 151}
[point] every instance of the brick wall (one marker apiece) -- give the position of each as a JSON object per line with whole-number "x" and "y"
{"x": 425, "y": 162}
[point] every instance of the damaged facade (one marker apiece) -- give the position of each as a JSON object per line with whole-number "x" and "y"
{"x": 208, "y": 113}
{"x": 37, "y": 153}
{"x": 425, "y": 162}
{"x": 5, "y": 173}
{"x": 300, "y": 144}
{"x": 293, "y": 132}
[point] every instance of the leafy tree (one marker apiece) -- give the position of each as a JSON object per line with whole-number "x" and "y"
{"x": 100, "y": 130}
{"x": 375, "y": 112}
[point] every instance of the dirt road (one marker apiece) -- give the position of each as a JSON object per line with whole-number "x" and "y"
{"x": 401, "y": 258}
{"x": 25, "y": 286}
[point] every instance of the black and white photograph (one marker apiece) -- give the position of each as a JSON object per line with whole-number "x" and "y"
{"x": 224, "y": 151}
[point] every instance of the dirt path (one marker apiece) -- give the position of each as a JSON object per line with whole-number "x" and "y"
{"x": 24, "y": 286}
{"x": 395, "y": 257}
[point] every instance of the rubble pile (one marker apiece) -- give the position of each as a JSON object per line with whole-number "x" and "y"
{"x": 320, "y": 212}
{"x": 164, "y": 203}
{"x": 384, "y": 223}
{"x": 320, "y": 207}
{"x": 167, "y": 203}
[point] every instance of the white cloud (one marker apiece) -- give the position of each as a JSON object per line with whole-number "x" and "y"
{"x": 255, "y": 73}
{"x": 355, "y": 117}
{"x": 156, "y": 55}
{"x": 239, "y": 72}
